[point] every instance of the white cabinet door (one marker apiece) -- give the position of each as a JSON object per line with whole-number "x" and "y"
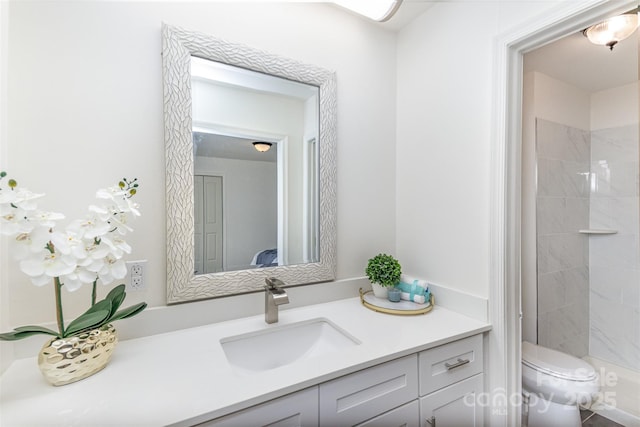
{"x": 405, "y": 416}
{"x": 455, "y": 405}
{"x": 298, "y": 409}
{"x": 360, "y": 396}
{"x": 450, "y": 363}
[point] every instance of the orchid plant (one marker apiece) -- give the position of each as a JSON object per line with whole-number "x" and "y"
{"x": 88, "y": 251}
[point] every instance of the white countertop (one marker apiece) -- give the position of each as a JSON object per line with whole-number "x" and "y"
{"x": 183, "y": 377}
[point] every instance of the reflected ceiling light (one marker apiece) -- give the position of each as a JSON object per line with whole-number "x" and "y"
{"x": 378, "y": 10}
{"x": 611, "y": 31}
{"x": 262, "y": 146}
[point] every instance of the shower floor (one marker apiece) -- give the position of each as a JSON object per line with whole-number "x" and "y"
{"x": 591, "y": 419}
{"x": 620, "y": 393}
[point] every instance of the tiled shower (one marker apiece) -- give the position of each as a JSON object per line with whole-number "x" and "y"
{"x": 588, "y": 234}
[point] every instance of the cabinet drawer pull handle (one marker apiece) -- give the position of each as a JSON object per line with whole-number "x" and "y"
{"x": 455, "y": 365}
{"x": 431, "y": 421}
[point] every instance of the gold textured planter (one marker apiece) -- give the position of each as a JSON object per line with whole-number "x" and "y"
{"x": 66, "y": 360}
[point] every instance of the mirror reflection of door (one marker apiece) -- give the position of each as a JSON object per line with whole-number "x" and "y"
{"x": 208, "y": 224}
{"x": 271, "y": 196}
{"x": 247, "y": 201}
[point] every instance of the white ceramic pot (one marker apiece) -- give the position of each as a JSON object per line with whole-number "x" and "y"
{"x": 379, "y": 290}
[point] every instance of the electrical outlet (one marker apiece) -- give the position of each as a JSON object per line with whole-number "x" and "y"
{"x": 135, "y": 275}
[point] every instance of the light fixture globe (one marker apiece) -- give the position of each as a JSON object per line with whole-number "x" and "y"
{"x": 262, "y": 146}
{"x": 378, "y": 10}
{"x": 613, "y": 30}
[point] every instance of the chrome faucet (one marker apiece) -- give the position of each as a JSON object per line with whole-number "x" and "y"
{"x": 273, "y": 297}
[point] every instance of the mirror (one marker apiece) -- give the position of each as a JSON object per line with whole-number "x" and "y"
{"x": 256, "y": 167}
{"x": 308, "y": 257}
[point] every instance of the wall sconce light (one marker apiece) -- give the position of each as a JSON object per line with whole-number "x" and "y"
{"x": 611, "y": 31}
{"x": 378, "y": 10}
{"x": 262, "y": 146}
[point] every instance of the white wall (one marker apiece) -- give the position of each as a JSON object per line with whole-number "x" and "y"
{"x": 85, "y": 108}
{"x": 6, "y": 351}
{"x": 445, "y": 60}
{"x": 615, "y": 107}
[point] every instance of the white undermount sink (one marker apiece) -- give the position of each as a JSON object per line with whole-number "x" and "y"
{"x": 282, "y": 345}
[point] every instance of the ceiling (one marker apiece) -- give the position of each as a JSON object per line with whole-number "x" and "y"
{"x": 572, "y": 59}
{"x": 229, "y": 147}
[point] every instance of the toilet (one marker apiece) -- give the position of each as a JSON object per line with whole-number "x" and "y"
{"x": 556, "y": 384}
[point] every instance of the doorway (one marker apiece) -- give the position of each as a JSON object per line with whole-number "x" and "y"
{"x": 506, "y": 180}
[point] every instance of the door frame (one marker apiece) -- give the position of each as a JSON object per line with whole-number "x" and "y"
{"x": 505, "y": 313}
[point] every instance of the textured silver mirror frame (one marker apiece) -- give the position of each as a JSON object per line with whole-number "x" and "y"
{"x": 178, "y": 45}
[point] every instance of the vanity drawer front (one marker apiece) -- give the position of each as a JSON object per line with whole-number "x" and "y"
{"x": 449, "y": 363}
{"x": 357, "y": 397}
{"x": 405, "y": 416}
{"x": 299, "y": 409}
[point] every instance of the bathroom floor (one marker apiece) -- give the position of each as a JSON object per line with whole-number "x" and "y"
{"x": 591, "y": 419}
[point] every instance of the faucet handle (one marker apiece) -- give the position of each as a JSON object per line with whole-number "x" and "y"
{"x": 273, "y": 283}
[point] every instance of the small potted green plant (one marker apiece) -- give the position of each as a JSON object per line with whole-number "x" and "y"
{"x": 384, "y": 272}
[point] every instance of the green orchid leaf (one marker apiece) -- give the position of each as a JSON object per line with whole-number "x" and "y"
{"x": 116, "y": 296}
{"x": 129, "y": 311}
{"x": 94, "y": 317}
{"x": 35, "y": 328}
{"x": 26, "y": 331}
{"x": 87, "y": 321}
{"x": 120, "y": 289}
{"x": 14, "y": 336}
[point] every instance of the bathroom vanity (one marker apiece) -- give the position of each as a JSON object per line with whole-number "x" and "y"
{"x": 441, "y": 383}
{"x": 373, "y": 369}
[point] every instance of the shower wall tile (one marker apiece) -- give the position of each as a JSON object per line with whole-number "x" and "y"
{"x": 614, "y": 332}
{"x": 631, "y": 288}
{"x": 614, "y": 260}
{"x": 610, "y": 179}
{"x": 562, "y": 178}
{"x": 557, "y": 141}
{"x": 577, "y": 213}
{"x": 614, "y": 250}
{"x": 608, "y": 283}
{"x": 551, "y": 292}
{"x": 567, "y": 250}
{"x": 615, "y": 144}
{"x": 551, "y": 213}
{"x": 589, "y": 285}
{"x": 563, "y": 190}
{"x": 568, "y": 330}
{"x": 624, "y": 213}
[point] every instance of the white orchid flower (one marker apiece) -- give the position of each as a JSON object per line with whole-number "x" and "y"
{"x": 28, "y": 244}
{"x": 117, "y": 246}
{"x": 13, "y": 221}
{"x": 87, "y": 250}
{"x": 95, "y": 254}
{"x": 90, "y": 227}
{"x": 46, "y": 263}
{"x": 112, "y": 269}
{"x": 20, "y": 197}
{"x": 80, "y": 276}
{"x": 45, "y": 219}
{"x": 121, "y": 198}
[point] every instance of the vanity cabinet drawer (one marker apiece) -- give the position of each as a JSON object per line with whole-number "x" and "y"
{"x": 360, "y": 396}
{"x": 298, "y": 409}
{"x": 449, "y": 363}
{"x": 405, "y": 416}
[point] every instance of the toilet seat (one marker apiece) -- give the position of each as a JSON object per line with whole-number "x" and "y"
{"x": 556, "y": 364}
